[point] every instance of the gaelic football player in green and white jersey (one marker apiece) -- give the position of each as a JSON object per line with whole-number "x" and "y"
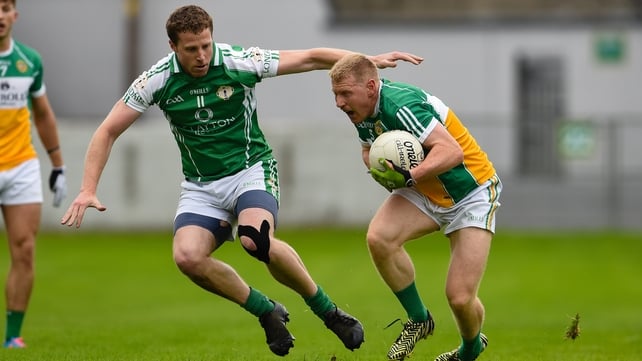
{"x": 207, "y": 93}
{"x": 21, "y": 83}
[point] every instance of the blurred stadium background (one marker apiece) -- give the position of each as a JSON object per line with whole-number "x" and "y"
{"x": 551, "y": 90}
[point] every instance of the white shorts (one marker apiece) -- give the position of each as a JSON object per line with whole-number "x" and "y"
{"x": 21, "y": 184}
{"x": 217, "y": 199}
{"x": 477, "y": 209}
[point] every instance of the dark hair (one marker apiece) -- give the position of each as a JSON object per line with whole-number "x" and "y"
{"x": 190, "y": 18}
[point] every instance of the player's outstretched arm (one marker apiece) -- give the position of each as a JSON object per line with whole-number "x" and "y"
{"x": 116, "y": 122}
{"x": 298, "y": 61}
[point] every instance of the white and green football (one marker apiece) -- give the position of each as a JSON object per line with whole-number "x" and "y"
{"x": 398, "y": 146}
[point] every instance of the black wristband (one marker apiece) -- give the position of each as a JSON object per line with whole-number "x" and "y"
{"x": 51, "y": 150}
{"x": 406, "y": 175}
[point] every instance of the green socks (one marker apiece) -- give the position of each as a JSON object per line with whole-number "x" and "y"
{"x": 14, "y": 323}
{"x": 411, "y": 302}
{"x": 257, "y": 303}
{"x": 470, "y": 349}
{"x": 320, "y": 303}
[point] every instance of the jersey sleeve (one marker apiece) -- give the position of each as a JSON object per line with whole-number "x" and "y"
{"x": 419, "y": 113}
{"x": 269, "y": 61}
{"x": 136, "y": 95}
{"x": 248, "y": 62}
{"x": 140, "y": 94}
{"x": 37, "y": 88}
{"x": 419, "y": 118}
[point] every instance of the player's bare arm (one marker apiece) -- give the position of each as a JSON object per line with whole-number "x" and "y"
{"x": 116, "y": 122}
{"x": 442, "y": 154}
{"x": 298, "y": 61}
{"x": 45, "y": 123}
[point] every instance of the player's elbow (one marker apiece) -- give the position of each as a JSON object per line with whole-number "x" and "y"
{"x": 458, "y": 155}
{"x": 455, "y": 157}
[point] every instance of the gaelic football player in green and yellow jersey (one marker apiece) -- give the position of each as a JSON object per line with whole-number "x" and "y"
{"x": 23, "y": 100}
{"x": 206, "y": 91}
{"x": 455, "y": 188}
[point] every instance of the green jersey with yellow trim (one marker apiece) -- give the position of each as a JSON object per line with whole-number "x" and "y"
{"x": 214, "y": 117}
{"x": 20, "y": 79}
{"x": 406, "y": 107}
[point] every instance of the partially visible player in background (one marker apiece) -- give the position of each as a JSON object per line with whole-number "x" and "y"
{"x": 207, "y": 92}
{"x": 21, "y": 83}
{"x": 455, "y": 187}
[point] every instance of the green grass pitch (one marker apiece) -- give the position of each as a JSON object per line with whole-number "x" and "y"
{"x": 119, "y": 296}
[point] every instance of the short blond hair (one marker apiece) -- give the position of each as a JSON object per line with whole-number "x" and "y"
{"x": 355, "y": 65}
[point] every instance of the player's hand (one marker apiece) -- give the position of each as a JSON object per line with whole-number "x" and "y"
{"x": 58, "y": 185}
{"x": 76, "y": 210}
{"x": 392, "y": 177}
{"x": 389, "y": 60}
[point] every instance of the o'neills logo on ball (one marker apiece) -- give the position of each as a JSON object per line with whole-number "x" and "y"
{"x": 408, "y": 157}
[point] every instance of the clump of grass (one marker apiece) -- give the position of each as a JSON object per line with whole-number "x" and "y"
{"x": 573, "y": 330}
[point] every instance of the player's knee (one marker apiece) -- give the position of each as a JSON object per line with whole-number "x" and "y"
{"x": 23, "y": 250}
{"x": 260, "y": 239}
{"x": 460, "y": 299}
{"x": 184, "y": 262}
{"x": 23, "y": 258}
{"x": 192, "y": 259}
{"x": 378, "y": 244}
{"x": 187, "y": 259}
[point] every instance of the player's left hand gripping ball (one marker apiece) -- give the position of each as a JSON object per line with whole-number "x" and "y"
{"x": 58, "y": 185}
{"x": 391, "y": 177}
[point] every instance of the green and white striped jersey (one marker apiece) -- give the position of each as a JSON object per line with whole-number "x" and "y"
{"x": 213, "y": 118}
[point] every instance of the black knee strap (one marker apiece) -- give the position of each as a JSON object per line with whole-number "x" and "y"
{"x": 261, "y": 241}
